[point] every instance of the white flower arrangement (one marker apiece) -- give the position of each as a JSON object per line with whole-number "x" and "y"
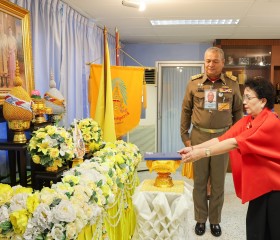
{"x": 80, "y": 199}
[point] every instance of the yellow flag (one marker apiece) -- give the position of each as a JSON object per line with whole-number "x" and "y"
{"x": 127, "y": 85}
{"x": 104, "y": 113}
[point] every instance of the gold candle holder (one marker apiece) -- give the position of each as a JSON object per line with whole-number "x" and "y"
{"x": 39, "y": 109}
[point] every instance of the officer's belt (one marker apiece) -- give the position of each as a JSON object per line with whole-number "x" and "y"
{"x": 210, "y": 130}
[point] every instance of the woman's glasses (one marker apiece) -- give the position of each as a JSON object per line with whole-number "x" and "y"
{"x": 247, "y": 98}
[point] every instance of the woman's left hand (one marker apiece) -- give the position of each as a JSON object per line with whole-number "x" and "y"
{"x": 192, "y": 155}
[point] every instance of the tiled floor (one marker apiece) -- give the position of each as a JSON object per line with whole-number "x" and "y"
{"x": 233, "y": 214}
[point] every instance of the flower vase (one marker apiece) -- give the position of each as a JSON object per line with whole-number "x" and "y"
{"x": 52, "y": 168}
{"x": 86, "y": 148}
{"x": 77, "y": 161}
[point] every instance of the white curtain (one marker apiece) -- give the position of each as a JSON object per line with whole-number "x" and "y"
{"x": 63, "y": 41}
{"x": 174, "y": 82}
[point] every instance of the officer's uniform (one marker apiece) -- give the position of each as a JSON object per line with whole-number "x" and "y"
{"x": 209, "y": 120}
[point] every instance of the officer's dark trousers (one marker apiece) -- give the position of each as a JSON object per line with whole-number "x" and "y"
{"x": 263, "y": 217}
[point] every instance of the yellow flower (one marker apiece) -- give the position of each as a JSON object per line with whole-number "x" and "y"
{"x": 94, "y": 146}
{"x": 51, "y": 130}
{"x": 22, "y": 190}
{"x": 36, "y": 159}
{"x": 54, "y": 152}
{"x": 109, "y": 181}
{"x": 119, "y": 159}
{"x": 64, "y": 134}
{"x": 33, "y": 144}
{"x": 105, "y": 189}
{"x": 57, "y": 163}
{"x": 41, "y": 135}
{"x": 87, "y": 137}
{"x": 6, "y": 193}
{"x": 43, "y": 147}
{"x": 19, "y": 220}
{"x": 71, "y": 178}
{"x": 32, "y": 202}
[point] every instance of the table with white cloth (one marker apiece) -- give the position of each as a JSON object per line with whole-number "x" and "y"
{"x": 162, "y": 213}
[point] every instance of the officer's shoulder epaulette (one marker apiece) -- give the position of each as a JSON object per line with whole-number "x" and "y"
{"x": 196, "y": 76}
{"x": 231, "y": 77}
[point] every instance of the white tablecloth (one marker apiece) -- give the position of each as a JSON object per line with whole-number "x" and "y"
{"x": 162, "y": 214}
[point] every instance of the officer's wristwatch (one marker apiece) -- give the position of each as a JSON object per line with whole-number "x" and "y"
{"x": 207, "y": 152}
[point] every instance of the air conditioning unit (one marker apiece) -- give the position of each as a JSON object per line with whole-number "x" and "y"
{"x": 150, "y": 75}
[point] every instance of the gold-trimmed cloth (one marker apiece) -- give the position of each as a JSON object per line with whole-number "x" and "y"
{"x": 187, "y": 170}
{"x": 163, "y": 166}
{"x": 148, "y": 186}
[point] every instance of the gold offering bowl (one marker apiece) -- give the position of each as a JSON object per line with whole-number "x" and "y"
{"x": 39, "y": 109}
{"x": 164, "y": 168}
{"x": 19, "y": 126}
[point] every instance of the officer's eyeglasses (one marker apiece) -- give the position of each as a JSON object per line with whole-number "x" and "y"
{"x": 248, "y": 98}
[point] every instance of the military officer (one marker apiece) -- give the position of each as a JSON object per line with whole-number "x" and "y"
{"x": 210, "y": 120}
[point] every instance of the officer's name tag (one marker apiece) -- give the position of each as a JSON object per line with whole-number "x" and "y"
{"x": 223, "y": 106}
{"x": 225, "y": 89}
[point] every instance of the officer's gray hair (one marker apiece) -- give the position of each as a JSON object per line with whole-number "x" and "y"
{"x": 216, "y": 49}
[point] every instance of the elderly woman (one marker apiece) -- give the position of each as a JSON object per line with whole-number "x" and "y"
{"x": 254, "y": 145}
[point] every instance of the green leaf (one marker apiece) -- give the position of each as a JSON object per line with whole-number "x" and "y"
{"x": 110, "y": 173}
{"x": 46, "y": 160}
{"x": 93, "y": 197}
{"x": 122, "y": 166}
{"x": 40, "y": 237}
{"x": 76, "y": 173}
{"x": 55, "y": 202}
{"x": 119, "y": 183}
{"x": 99, "y": 183}
{"x": 5, "y": 226}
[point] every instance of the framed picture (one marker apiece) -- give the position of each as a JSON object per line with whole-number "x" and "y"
{"x": 230, "y": 60}
{"x": 244, "y": 61}
{"x": 15, "y": 46}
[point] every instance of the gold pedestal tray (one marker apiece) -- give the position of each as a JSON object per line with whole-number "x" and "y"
{"x": 18, "y": 127}
{"x": 164, "y": 180}
{"x": 164, "y": 164}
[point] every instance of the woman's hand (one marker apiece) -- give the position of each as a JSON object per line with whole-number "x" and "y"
{"x": 190, "y": 155}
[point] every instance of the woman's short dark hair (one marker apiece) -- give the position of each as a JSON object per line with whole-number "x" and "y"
{"x": 263, "y": 89}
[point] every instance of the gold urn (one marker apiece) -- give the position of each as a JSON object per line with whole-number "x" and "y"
{"x": 17, "y": 109}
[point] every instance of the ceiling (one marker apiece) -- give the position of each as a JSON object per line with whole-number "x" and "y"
{"x": 259, "y": 19}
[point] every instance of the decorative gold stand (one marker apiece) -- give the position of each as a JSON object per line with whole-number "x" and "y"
{"x": 164, "y": 180}
{"x": 19, "y": 126}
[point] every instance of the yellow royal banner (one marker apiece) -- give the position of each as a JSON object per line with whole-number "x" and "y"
{"x": 127, "y": 84}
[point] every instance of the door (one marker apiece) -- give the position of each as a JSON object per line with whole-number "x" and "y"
{"x": 172, "y": 81}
